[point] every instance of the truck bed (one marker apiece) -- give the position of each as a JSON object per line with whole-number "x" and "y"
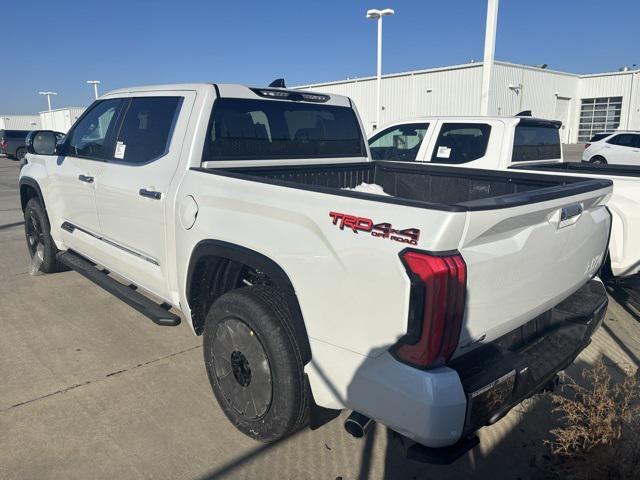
{"x": 422, "y": 185}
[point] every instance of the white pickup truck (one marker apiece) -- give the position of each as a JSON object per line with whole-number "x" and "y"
{"x": 433, "y": 309}
{"x": 525, "y": 143}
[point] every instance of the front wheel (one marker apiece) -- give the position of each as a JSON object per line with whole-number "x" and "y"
{"x": 38, "y": 233}
{"x": 254, "y": 364}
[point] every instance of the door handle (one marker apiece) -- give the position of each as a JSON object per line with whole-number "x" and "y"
{"x": 149, "y": 194}
{"x": 85, "y": 178}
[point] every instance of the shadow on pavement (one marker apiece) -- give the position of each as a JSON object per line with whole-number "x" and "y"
{"x": 512, "y": 448}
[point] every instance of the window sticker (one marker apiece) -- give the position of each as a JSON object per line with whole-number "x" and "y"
{"x": 444, "y": 152}
{"x": 120, "y": 148}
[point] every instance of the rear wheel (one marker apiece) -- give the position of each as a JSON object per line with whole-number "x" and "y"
{"x": 254, "y": 364}
{"x": 20, "y": 153}
{"x": 598, "y": 159}
{"x": 38, "y": 234}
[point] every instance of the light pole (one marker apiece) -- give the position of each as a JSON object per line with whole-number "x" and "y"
{"x": 489, "y": 54}
{"x": 48, "y": 94}
{"x": 95, "y": 84}
{"x": 375, "y": 14}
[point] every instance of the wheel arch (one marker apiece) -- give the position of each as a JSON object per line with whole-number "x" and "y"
{"x": 29, "y": 189}
{"x": 215, "y": 250}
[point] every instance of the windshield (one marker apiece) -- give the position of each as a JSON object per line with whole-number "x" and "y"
{"x": 242, "y": 129}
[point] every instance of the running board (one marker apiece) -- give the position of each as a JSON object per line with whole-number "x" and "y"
{"x": 158, "y": 314}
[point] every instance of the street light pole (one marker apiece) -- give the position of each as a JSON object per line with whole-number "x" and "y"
{"x": 489, "y": 54}
{"x": 377, "y": 15}
{"x": 48, "y": 94}
{"x": 95, "y": 84}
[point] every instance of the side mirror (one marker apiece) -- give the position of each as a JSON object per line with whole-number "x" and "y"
{"x": 42, "y": 142}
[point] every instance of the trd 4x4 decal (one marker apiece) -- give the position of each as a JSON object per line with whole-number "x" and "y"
{"x": 381, "y": 230}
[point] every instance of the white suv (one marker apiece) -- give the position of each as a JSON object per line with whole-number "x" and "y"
{"x": 621, "y": 147}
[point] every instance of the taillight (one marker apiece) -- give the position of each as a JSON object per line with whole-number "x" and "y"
{"x": 438, "y": 290}
{"x": 587, "y": 145}
{"x": 3, "y": 143}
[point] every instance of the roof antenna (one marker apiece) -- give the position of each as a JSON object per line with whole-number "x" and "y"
{"x": 524, "y": 113}
{"x": 278, "y": 83}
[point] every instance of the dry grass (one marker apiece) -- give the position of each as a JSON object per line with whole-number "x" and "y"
{"x": 599, "y": 432}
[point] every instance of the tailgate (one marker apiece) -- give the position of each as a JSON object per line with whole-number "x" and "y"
{"x": 524, "y": 260}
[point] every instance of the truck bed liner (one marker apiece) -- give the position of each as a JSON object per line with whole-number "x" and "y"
{"x": 420, "y": 185}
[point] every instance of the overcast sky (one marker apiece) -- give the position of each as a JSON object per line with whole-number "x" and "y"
{"x": 59, "y": 45}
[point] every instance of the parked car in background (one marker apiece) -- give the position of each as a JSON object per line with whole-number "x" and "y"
{"x": 13, "y": 143}
{"x": 525, "y": 143}
{"x": 617, "y": 148}
{"x": 431, "y": 310}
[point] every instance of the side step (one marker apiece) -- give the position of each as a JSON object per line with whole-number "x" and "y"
{"x": 157, "y": 313}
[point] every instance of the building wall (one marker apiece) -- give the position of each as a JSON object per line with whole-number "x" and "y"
{"x": 620, "y": 84}
{"x": 447, "y": 91}
{"x": 19, "y": 122}
{"x": 61, "y": 119}
{"x": 456, "y": 91}
{"x": 547, "y": 93}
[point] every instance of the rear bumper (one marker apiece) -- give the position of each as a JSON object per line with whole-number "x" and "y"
{"x": 498, "y": 376}
{"x": 438, "y": 407}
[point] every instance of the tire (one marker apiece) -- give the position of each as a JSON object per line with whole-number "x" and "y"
{"x": 254, "y": 363}
{"x": 20, "y": 153}
{"x": 598, "y": 159}
{"x": 38, "y": 232}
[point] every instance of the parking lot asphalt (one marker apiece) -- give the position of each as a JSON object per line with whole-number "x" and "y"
{"x": 90, "y": 389}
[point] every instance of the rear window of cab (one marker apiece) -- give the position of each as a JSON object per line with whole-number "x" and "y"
{"x": 244, "y": 129}
{"x": 536, "y": 141}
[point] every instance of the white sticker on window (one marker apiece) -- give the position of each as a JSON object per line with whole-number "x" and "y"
{"x": 443, "y": 152}
{"x": 120, "y": 148}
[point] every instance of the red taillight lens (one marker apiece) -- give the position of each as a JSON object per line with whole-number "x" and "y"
{"x": 3, "y": 144}
{"x": 587, "y": 145}
{"x": 437, "y": 296}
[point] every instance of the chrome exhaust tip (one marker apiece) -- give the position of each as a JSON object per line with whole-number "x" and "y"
{"x": 358, "y": 425}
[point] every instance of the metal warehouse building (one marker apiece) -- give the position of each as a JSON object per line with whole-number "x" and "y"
{"x": 585, "y": 104}
{"x": 19, "y": 122}
{"x": 60, "y": 119}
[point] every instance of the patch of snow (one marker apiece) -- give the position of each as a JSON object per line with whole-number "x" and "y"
{"x": 368, "y": 188}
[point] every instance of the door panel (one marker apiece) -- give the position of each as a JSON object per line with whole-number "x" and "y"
{"x": 621, "y": 149}
{"x": 132, "y": 191}
{"x": 77, "y": 169}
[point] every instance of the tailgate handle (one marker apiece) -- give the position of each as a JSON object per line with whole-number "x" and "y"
{"x": 570, "y": 215}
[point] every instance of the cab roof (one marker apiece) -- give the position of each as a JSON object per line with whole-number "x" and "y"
{"x": 232, "y": 90}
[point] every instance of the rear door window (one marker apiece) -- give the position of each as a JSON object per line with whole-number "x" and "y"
{"x": 146, "y": 129}
{"x": 243, "y": 129}
{"x": 401, "y": 142}
{"x": 461, "y": 142}
{"x": 536, "y": 142}
{"x": 598, "y": 136}
{"x": 623, "y": 140}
